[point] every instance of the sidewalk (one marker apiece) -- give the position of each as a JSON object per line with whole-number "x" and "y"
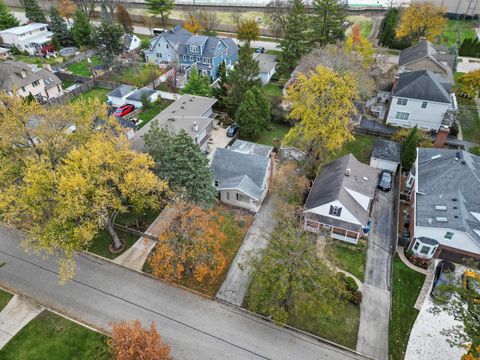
{"x": 135, "y": 257}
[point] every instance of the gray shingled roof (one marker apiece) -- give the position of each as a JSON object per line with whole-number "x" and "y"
{"x": 426, "y": 49}
{"x": 196, "y": 40}
{"x": 247, "y": 147}
{"x": 387, "y": 150}
{"x": 175, "y": 36}
{"x": 121, "y": 91}
{"x": 332, "y": 182}
{"x": 137, "y": 95}
{"x": 11, "y": 75}
{"x": 442, "y": 180}
{"x": 266, "y": 62}
{"x": 423, "y": 85}
{"x": 231, "y": 45}
{"x": 235, "y": 170}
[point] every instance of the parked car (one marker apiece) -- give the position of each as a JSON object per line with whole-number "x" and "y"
{"x": 471, "y": 283}
{"x": 260, "y": 50}
{"x": 124, "y": 110}
{"x": 444, "y": 277}
{"x": 232, "y": 130}
{"x": 385, "y": 182}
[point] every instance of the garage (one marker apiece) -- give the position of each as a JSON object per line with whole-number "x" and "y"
{"x": 386, "y": 155}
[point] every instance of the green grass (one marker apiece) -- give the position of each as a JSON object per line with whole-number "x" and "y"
{"x": 96, "y": 92}
{"x": 155, "y": 109}
{"x": 274, "y": 52}
{"x": 137, "y": 75}
{"x": 82, "y": 67}
{"x": 350, "y": 258}
{"x": 469, "y": 119}
{"x": 406, "y": 287}
{"x": 37, "y": 60}
{"x": 67, "y": 83}
{"x": 273, "y": 89}
{"x": 361, "y": 148}
{"x": 275, "y": 131}
{"x": 51, "y": 337}
{"x": 100, "y": 244}
{"x": 465, "y": 27}
{"x": 4, "y": 298}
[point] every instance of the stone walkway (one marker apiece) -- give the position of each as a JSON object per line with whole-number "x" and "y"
{"x": 135, "y": 257}
{"x": 18, "y": 313}
{"x": 401, "y": 254}
{"x": 427, "y": 286}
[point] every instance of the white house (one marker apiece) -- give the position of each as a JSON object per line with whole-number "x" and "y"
{"x": 242, "y": 173}
{"x": 445, "y": 204}
{"x": 386, "y": 155}
{"x": 340, "y": 199}
{"x": 30, "y": 38}
{"x": 423, "y": 99}
{"x": 131, "y": 42}
{"x": 117, "y": 97}
{"x": 268, "y": 66}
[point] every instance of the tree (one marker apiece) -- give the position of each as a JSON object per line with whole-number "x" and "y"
{"x": 86, "y": 6}
{"x": 290, "y": 186}
{"x": 322, "y": 103}
{"x": 149, "y": 22}
{"x": 248, "y": 31}
{"x": 66, "y": 8}
{"x": 197, "y": 84}
{"x": 33, "y": 12}
{"x": 108, "y": 8}
{"x": 357, "y": 43}
{"x": 160, "y": 7}
{"x": 191, "y": 247}
{"x": 208, "y": 21}
{"x": 7, "y": 19}
{"x": 130, "y": 341}
{"x": 278, "y": 11}
{"x": 421, "y": 20}
{"x": 61, "y": 35}
{"x": 108, "y": 38}
{"x": 82, "y": 29}
{"x": 253, "y": 114}
{"x": 124, "y": 19}
{"x": 470, "y": 84}
{"x": 387, "y": 36}
{"x": 182, "y": 163}
{"x": 237, "y": 18}
{"x": 295, "y": 42}
{"x": 192, "y": 22}
{"x": 221, "y": 90}
{"x": 144, "y": 43}
{"x": 409, "y": 153}
{"x": 327, "y": 21}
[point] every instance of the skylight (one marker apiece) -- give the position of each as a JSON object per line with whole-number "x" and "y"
{"x": 441, "y": 219}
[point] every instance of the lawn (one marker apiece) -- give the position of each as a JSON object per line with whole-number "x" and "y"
{"x": 100, "y": 244}
{"x": 360, "y": 147}
{"x": 275, "y": 131}
{"x": 37, "y": 60}
{"x": 96, "y": 92}
{"x": 348, "y": 257}
{"x": 469, "y": 119}
{"x": 273, "y": 89}
{"x": 4, "y": 298}
{"x": 155, "y": 109}
{"x": 406, "y": 287}
{"x": 137, "y": 75}
{"x": 274, "y": 52}
{"x": 82, "y": 67}
{"x": 51, "y": 337}
{"x": 465, "y": 27}
{"x": 67, "y": 83}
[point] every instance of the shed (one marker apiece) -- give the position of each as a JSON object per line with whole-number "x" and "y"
{"x": 386, "y": 155}
{"x": 117, "y": 96}
{"x": 135, "y": 98}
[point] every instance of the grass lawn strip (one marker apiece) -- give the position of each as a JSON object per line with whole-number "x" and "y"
{"x": 275, "y": 131}
{"x": 82, "y": 67}
{"x": 273, "y": 89}
{"x": 360, "y": 147}
{"x": 4, "y": 298}
{"x": 52, "y": 337}
{"x": 96, "y": 92}
{"x": 39, "y": 61}
{"x": 406, "y": 287}
{"x": 350, "y": 258}
{"x": 153, "y": 111}
{"x": 469, "y": 119}
{"x": 449, "y": 35}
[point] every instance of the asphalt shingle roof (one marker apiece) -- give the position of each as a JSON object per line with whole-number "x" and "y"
{"x": 121, "y": 91}
{"x": 11, "y": 75}
{"x": 137, "y": 95}
{"x": 266, "y": 62}
{"x": 387, "y": 150}
{"x": 426, "y": 49}
{"x": 423, "y": 85}
{"x": 247, "y": 147}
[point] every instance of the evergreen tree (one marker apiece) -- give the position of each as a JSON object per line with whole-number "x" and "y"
{"x": 253, "y": 114}
{"x": 327, "y": 22}
{"x": 7, "y": 19}
{"x": 295, "y": 42}
{"x": 59, "y": 27}
{"x": 221, "y": 90}
{"x": 160, "y": 7}
{"x": 410, "y": 149}
{"x": 33, "y": 12}
{"x": 197, "y": 84}
{"x": 182, "y": 164}
{"x": 108, "y": 39}
{"x": 82, "y": 29}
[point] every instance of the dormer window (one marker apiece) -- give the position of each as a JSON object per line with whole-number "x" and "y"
{"x": 194, "y": 49}
{"x": 335, "y": 210}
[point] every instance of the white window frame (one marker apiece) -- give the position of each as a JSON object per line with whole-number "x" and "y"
{"x": 402, "y": 101}
{"x": 425, "y": 247}
{"x": 401, "y": 115}
{"x": 424, "y": 104}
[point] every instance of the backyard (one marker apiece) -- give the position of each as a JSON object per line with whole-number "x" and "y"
{"x": 274, "y": 131}
{"x": 350, "y": 258}
{"x": 51, "y": 337}
{"x": 466, "y": 28}
{"x": 360, "y": 147}
{"x": 136, "y": 75}
{"x": 469, "y": 119}
{"x": 96, "y": 92}
{"x": 406, "y": 287}
{"x": 273, "y": 89}
{"x": 37, "y": 60}
{"x": 82, "y": 68}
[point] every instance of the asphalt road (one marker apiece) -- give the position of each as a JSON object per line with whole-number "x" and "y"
{"x": 196, "y": 328}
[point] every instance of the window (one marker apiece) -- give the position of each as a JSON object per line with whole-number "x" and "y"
{"x": 402, "y": 115}
{"x": 216, "y": 183}
{"x": 401, "y": 101}
{"x": 23, "y": 88}
{"x": 424, "y": 104}
{"x": 168, "y": 47}
{"x": 228, "y": 195}
{"x": 448, "y": 235}
{"x": 417, "y": 244}
{"x": 198, "y": 58}
{"x": 159, "y": 55}
{"x": 35, "y": 83}
{"x": 425, "y": 250}
{"x": 184, "y": 57}
{"x": 335, "y": 210}
{"x": 191, "y": 58}
{"x": 194, "y": 49}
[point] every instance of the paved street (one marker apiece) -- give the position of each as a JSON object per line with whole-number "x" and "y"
{"x": 195, "y": 327}
{"x": 375, "y": 307}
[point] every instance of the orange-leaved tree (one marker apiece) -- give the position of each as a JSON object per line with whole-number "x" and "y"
{"x": 130, "y": 341}
{"x": 192, "y": 246}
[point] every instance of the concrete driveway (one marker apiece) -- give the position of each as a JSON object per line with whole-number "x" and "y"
{"x": 375, "y": 306}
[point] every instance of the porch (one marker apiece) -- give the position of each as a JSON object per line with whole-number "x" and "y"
{"x": 338, "y": 233}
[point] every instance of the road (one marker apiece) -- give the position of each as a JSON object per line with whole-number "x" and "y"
{"x": 375, "y": 306}
{"x": 195, "y": 327}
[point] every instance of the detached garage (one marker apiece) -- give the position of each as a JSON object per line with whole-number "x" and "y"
{"x": 386, "y": 155}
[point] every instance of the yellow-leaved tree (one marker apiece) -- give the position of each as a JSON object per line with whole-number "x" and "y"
{"x": 359, "y": 44}
{"x": 470, "y": 84}
{"x": 322, "y": 103}
{"x": 421, "y": 20}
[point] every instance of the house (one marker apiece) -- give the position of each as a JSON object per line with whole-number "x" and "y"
{"x": 23, "y": 79}
{"x": 340, "y": 199}
{"x": 242, "y": 173}
{"x": 386, "y": 155}
{"x": 268, "y": 66}
{"x": 445, "y": 204}
{"x": 135, "y": 98}
{"x": 117, "y": 96}
{"x": 131, "y": 42}
{"x": 423, "y": 99}
{"x": 426, "y": 56}
{"x": 190, "y": 113}
{"x": 30, "y": 38}
{"x": 184, "y": 49}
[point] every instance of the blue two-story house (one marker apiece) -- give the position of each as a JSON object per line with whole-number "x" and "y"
{"x": 182, "y": 48}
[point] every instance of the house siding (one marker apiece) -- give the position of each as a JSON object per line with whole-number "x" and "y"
{"x": 162, "y": 52}
{"x": 428, "y": 64}
{"x": 230, "y": 197}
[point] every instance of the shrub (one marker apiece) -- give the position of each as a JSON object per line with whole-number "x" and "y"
{"x": 387, "y": 31}
{"x": 351, "y": 284}
{"x": 356, "y": 297}
{"x": 475, "y": 150}
{"x": 418, "y": 260}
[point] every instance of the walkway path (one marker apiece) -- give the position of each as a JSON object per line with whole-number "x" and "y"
{"x": 135, "y": 257}
{"x": 235, "y": 287}
{"x": 426, "y": 287}
{"x": 18, "y": 313}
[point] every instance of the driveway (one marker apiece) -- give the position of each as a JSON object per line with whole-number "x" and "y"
{"x": 235, "y": 287}
{"x": 375, "y": 306}
{"x": 196, "y": 328}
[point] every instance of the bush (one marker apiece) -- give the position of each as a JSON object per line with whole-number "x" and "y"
{"x": 356, "y": 297}
{"x": 351, "y": 284}
{"x": 418, "y": 260}
{"x": 475, "y": 150}
{"x": 387, "y": 31}
{"x": 470, "y": 47}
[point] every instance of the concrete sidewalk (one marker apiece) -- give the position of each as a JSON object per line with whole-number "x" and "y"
{"x": 135, "y": 257}
{"x": 18, "y": 313}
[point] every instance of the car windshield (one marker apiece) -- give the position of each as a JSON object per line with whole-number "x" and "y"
{"x": 386, "y": 177}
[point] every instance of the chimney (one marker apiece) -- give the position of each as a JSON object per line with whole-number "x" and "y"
{"x": 272, "y": 169}
{"x": 195, "y": 126}
{"x": 442, "y": 135}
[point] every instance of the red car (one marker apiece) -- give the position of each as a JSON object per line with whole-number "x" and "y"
{"x": 124, "y": 110}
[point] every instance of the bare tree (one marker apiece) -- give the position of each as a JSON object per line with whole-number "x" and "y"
{"x": 209, "y": 22}
{"x": 86, "y": 6}
{"x": 237, "y": 18}
{"x": 277, "y": 11}
{"x": 149, "y": 22}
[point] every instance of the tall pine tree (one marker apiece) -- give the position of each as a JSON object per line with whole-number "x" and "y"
{"x": 7, "y": 19}
{"x": 108, "y": 39}
{"x": 82, "y": 29}
{"x": 59, "y": 27}
{"x": 410, "y": 149}
{"x": 253, "y": 114}
{"x": 197, "y": 84}
{"x": 220, "y": 91}
{"x": 327, "y": 22}
{"x": 33, "y": 12}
